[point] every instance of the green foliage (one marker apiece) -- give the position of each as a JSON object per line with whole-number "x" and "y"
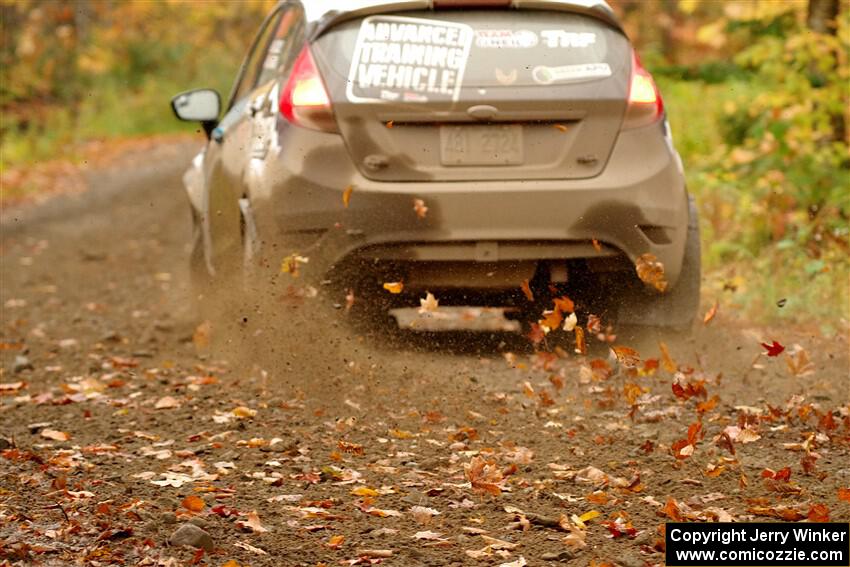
{"x": 74, "y": 70}
{"x": 770, "y": 164}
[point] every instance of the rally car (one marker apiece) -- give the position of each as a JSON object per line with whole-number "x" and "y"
{"x": 456, "y": 146}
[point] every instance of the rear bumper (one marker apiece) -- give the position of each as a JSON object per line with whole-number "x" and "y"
{"x": 637, "y": 205}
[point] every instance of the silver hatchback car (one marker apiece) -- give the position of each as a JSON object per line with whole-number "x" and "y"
{"x": 470, "y": 147}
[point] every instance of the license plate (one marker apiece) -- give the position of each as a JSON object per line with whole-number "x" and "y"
{"x": 481, "y": 145}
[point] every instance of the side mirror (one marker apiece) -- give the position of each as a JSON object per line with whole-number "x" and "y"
{"x": 199, "y": 105}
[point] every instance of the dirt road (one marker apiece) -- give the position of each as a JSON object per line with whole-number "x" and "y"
{"x": 121, "y": 427}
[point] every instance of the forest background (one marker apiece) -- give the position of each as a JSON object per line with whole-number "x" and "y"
{"x": 756, "y": 92}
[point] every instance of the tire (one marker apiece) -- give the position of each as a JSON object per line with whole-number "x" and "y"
{"x": 676, "y": 309}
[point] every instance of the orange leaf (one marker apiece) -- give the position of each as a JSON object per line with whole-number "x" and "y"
{"x": 484, "y": 476}
{"x": 346, "y": 195}
{"x": 596, "y": 245}
{"x": 420, "y": 208}
{"x": 632, "y": 392}
{"x": 390, "y": 124}
{"x": 560, "y": 127}
{"x": 844, "y": 494}
{"x": 710, "y": 313}
{"x": 526, "y": 290}
{"x": 551, "y": 319}
{"x": 671, "y": 510}
{"x": 650, "y": 270}
{"x": 819, "y": 513}
{"x": 581, "y": 345}
{"x": 628, "y": 357}
{"x": 564, "y": 304}
{"x": 708, "y": 405}
{"x": 193, "y": 503}
{"x": 666, "y": 359}
{"x": 336, "y": 541}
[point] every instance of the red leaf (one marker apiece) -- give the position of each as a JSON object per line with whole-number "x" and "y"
{"x": 774, "y": 349}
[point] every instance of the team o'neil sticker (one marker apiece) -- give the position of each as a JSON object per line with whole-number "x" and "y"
{"x": 408, "y": 59}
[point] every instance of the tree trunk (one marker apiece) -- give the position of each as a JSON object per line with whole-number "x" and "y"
{"x": 822, "y": 18}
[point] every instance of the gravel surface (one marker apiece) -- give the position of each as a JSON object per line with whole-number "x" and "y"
{"x": 133, "y": 433}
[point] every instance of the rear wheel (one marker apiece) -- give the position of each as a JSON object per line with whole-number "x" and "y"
{"x": 676, "y": 309}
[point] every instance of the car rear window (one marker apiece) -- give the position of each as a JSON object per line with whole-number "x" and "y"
{"x": 433, "y": 55}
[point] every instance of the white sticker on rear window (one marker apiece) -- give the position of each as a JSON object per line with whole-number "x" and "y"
{"x": 561, "y": 38}
{"x": 586, "y": 71}
{"x": 412, "y": 59}
{"x": 510, "y": 39}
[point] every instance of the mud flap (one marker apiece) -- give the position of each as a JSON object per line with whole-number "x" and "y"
{"x": 677, "y": 308}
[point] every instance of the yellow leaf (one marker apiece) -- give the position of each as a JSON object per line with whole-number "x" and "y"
{"x": 394, "y": 287}
{"x": 346, "y": 195}
{"x": 587, "y": 516}
{"x": 364, "y": 491}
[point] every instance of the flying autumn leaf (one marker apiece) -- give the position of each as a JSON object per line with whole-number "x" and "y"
{"x": 627, "y": 357}
{"x": 711, "y": 313}
{"x": 526, "y": 289}
{"x": 650, "y": 270}
{"x": 346, "y": 195}
{"x": 570, "y": 322}
{"x": 420, "y": 208}
{"x": 394, "y": 287}
{"x": 349, "y": 300}
{"x": 551, "y": 320}
{"x": 666, "y": 360}
{"x": 564, "y": 304}
{"x": 596, "y": 245}
{"x": 290, "y": 264}
{"x": 389, "y": 124}
{"x": 428, "y": 304}
{"x": 774, "y": 349}
{"x": 581, "y": 345}
{"x": 560, "y": 127}
{"x": 201, "y": 335}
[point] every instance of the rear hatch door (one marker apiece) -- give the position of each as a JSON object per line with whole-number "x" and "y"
{"x": 476, "y": 94}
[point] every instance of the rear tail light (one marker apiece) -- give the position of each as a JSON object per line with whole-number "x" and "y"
{"x": 645, "y": 104}
{"x": 304, "y": 100}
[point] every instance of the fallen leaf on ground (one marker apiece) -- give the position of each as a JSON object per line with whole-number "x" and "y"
{"x": 484, "y": 476}
{"x": 252, "y": 523}
{"x": 774, "y": 349}
{"x": 55, "y": 435}
{"x": 526, "y": 289}
{"x": 167, "y": 402}
{"x": 193, "y": 503}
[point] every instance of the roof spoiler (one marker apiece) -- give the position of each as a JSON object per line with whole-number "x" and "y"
{"x": 594, "y": 8}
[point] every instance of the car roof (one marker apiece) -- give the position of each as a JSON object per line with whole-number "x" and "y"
{"x": 323, "y": 13}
